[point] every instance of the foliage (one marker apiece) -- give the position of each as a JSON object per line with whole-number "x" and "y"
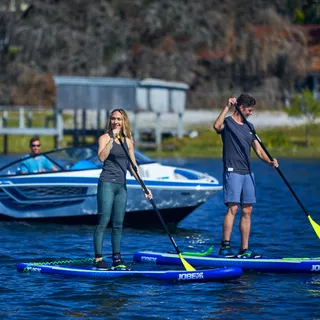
{"x": 277, "y": 139}
{"x": 280, "y": 142}
{"x": 304, "y": 105}
{"x": 305, "y": 12}
{"x": 212, "y": 45}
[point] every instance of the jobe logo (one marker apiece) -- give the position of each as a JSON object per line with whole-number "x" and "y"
{"x": 315, "y": 267}
{"x": 148, "y": 259}
{"x": 190, "y": 276}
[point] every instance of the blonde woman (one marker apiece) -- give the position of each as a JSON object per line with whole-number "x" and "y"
{"x": 112, "y": 189}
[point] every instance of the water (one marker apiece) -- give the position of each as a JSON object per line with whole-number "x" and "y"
{"x": 279, "y": 228}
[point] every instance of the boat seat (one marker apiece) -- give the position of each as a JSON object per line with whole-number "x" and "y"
{"x": 83, "y": 164}
{"x": 187, "y": 174}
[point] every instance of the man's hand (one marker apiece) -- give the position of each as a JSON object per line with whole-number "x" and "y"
{"x": 232, "y": 102}
{"x": 274, "y": 163}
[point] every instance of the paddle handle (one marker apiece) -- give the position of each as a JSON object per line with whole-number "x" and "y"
{"x": 271, "y": 158}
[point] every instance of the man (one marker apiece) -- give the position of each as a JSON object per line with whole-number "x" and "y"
{"x": 238, "y": 178}
{"x": 36, "y": 162}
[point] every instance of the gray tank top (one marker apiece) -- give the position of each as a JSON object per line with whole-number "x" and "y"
{"x": 115, "y": 166}
{"x": 237, "y": 140}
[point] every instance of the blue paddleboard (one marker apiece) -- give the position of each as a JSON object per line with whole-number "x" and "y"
{"x": 181, "y": 276}
{"x": 267, "y": 265}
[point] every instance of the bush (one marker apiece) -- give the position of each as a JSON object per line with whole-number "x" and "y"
{"x": 277, "y": 139}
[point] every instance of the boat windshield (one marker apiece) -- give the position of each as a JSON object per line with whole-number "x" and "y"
{"x": 141, "y": 158}
{"x": 79, "y": 158}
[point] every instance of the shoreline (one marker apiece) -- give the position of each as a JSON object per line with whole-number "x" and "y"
{"x": 198, "y": 118}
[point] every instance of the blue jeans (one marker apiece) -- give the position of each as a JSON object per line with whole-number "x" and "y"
{"x": 112, "y": 199}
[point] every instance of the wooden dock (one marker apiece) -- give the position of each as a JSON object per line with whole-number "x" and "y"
{"x": 20, "y": 121}
{"x": 24, "y": 121}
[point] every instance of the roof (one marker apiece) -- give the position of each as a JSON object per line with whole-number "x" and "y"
{"x": 95, "y": 93}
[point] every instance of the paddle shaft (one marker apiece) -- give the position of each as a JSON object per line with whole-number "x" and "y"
{"x": 145, "y": 189}
{"x": 271, "y": 158}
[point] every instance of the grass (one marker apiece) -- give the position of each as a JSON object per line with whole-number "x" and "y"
{"x": 39, "y": 119}
{"x": 279, "y": 141}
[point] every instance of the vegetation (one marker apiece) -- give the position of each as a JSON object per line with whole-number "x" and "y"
{"x": 305, "y": 12}
{"x": 220, "y": 48}
{"x": 33, "y": 118}
{"x": 280, "y": 142}
{"x": 305, "y": 106}
{"x": 215, "y": 46}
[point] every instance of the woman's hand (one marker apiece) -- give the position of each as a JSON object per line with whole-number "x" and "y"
{"x": 149, "y": 195}
{"x": 115, "y": 133}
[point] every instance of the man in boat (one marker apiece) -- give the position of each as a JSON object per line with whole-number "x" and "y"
{"x": 35, "y": 162}
{"x": 238, "y": 178}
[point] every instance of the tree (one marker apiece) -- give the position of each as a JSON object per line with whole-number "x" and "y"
{"x": 305, "y": 106}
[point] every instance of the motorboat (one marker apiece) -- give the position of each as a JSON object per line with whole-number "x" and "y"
{"x": 69, "y": 194}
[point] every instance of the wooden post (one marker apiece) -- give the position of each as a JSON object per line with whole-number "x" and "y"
{"x": 98, "y": 127}
{"x": 158, "y": 132}
{"x": 75, "y": 131}
{"x": 59, "y": 120}
{"x": 136, "y": 133}
{"x": 21, "y": 118}
{"x": 180, "y": 125}
{"x": 84, "y": 126}
{"x": 5, "y": 137}
{"x": 29, "y": 118}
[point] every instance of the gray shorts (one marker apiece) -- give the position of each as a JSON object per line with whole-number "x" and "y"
{"x": 239, "y": 188}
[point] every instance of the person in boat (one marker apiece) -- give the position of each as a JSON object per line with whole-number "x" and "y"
{"x": 35, "y": 162}
{"x": 112, "y": 190}
{"x": 238, "y": 178}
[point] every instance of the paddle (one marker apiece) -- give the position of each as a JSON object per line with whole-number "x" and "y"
{"x": 187, "y": 266}
{"x": 315, "y": 226}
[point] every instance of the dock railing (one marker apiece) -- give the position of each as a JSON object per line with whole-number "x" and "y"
{"x": 25, "y": 121}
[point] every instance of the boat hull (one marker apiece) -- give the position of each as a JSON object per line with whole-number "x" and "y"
{"x": 133, "y": 219}
{"x": 263, "y": 265}
{"x": 72, "y": 199}
{"x": 69, "y": 195}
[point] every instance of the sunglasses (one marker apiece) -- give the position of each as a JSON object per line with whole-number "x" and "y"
{"x": 36, "y": 145}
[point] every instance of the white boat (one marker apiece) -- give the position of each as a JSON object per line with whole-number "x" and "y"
{"x": 69, "y": 194}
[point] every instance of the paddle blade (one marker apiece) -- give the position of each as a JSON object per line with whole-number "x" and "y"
{"x": 187, "y": 265}
{"x": 315, "y": 226}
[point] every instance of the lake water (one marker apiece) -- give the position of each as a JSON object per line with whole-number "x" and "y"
{"x": 279, "y": 228}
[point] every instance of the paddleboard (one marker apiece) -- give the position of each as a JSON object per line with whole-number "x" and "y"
{"x": 263, "y": 264}
{"x": 221, "y": 274}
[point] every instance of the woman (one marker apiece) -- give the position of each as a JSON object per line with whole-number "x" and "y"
{"x": 112, "y": 190}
